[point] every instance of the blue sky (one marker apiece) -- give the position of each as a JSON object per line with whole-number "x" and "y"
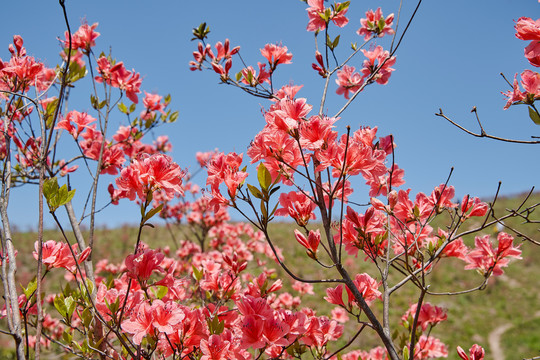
{"x": 450, "y": 59}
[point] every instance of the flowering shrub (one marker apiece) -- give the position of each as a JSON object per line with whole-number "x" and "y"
{"x": 217, "y": 296}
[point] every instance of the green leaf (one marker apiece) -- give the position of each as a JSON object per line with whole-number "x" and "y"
{"x": 197, "y": 274}
{"x": 86, "y": 317}
{"x": 123, "y": 108}
{"x": 405, "y": 353}
{"x": 265, "y": 179}
{"x": 535, "y": 117}
{"x": 75, "y": 72}
{"x": 29, "y": 290}
{"x": 328, "y": 41}
{"x": 264, "y": 212}
{"x": 201, "y": 32}
{"x": 152, "y": 212}
{"x": 335, "y": 42}
{"x": 255, "y": 192}
{"x": 161, "y": 291}
{"x": 49, "y": 112}
{"x": 60, "y": 305}
{"x": 215, "y": 326}
{"x": 274, "y": 190}
{"x": 67, "y": 337}
{"x": 71, "y": 304}
{"x": 173, "y": 117}
{"x": 132, "y": 107}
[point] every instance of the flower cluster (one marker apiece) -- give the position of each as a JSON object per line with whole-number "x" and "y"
{"x": 148, "y": 174}
{"x": 529, "y": 29}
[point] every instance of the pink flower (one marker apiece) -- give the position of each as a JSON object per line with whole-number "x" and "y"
{"x": 223, "y": 51}
{"x": 319, "y": 67}
{"x": 318, "y": 18}
{"x": 335, "y": 295}
{"x": 82, "y": 120}
{"x": 348, "y": 80}
{"x": 311, "y": 243}
{"x": 151, "y": 173}
{"x": 298, "y": 206}
{"x": 429, "y": 315}
{"x": 56, "y": 255}
{"x": 140, "y": 323}
{"x": 152, "y": 102}
{"x": 367, "y": 286}
{"x": 441, "y": 197}
{"x": 339, "y": 314}
{"x": 530, "y": 81}
{"x": 476, "y": 352}
{"x": 515, "y": 96}
{"x": 303, "y": 288}
{"x": 376, "y": 25}
{"x": 532, "y": 53}
{"x": 379, "y": 63}
{"x": 166, "y": 315}
{"x": 527, "y": 29}
{"x": 215, "y": 348}
{"x": 84, "y": 38}
{"x": 429, "y": 347}
{"x": 477, "y": 207}
{"x": 276, "y": 54}
{"x": 117, "y": 76}
{"x": 316, "y": 132}
{"x": 140, "y": 266}
{"x": 252, "y": 331}
{"x": 250, "y": 77}
{"x": 488, "y": 260}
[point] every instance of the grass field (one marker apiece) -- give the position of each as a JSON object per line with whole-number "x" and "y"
{"x": 511, "y": 301}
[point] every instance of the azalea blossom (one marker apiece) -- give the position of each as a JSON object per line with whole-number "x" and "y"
{"x": 348, "y": 80}
{"x": 428, "y": 347}
{"x": 375, "y": 24}
{"x": 317, "y": 15}
{"x": 84, "y": 38}
{"x": 528, "y": 29}
{"x": 429, "y": 315}
{"x": 81, "y": 120}
{"x": 476, "y": 352}
{"x": 311, "y": 243}
{"x": 378, "y": 64}
{"x": 57, "y": 254}
{"x": 298, "y": 206}
{"x": 150, "y": 173}
{"x": 488, "y": 260}
{"x": 276, "y": 54}
{"x": 530, "y": 81}
{"x": 141, "y": 265}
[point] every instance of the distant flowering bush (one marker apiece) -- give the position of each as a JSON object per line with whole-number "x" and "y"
{"x": 218, "y": 296}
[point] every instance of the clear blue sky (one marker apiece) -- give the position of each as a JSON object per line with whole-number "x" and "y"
{"x": 451, "y": 59}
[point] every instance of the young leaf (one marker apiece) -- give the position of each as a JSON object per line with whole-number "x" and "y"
{"x": 29, "y": 290}
{"x": 152, "y": 212}
{"x": 535, "y": 117}
{"x": 265, "y": 179}
{"x": 335, "y": 42}
{"x": 123, "y": 108}
{"x": 173, "y": 117}
{"x": 255, "y": 192}
{"x": 60, "y": 305}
